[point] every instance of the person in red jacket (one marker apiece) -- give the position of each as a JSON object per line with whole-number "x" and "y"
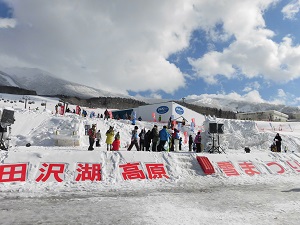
{"x": 116, "y": 143}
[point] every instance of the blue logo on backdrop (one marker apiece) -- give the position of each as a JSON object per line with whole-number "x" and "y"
{"x": 179, "y": 110}
{"x": 162, "y": 109}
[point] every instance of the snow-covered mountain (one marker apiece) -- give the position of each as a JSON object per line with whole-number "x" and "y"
{"x": 45, "y": 83}
{"x": 238, "y": 106}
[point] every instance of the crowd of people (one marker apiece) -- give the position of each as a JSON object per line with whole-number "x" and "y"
{"x": 152, "y": 140}
{"x": 155, "y": 140}
{"x": 81, "y": 112}
{"x": 145, "y": 140}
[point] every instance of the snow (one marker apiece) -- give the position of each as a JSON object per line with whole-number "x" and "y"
{"x": 8, "y": 80}
{"x": 188, "y": 196}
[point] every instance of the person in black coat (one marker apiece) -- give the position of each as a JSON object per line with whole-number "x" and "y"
{"x": 142, "y": 139}
{"x": 191, "y": 141}
{"x": 92, "y": 136}
{"x": 278, "y": 140}
{"x": 147, "y": 140}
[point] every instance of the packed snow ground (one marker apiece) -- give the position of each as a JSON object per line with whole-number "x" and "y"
{"x": 188, "y": 196}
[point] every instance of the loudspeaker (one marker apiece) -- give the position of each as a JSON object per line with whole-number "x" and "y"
{"x": 213, "y": 128}
{"x": 8, "y": 116}
{"x": 220, "y": 128}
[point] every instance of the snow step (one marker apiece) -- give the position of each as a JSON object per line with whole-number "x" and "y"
{"x": 206, "y": 165}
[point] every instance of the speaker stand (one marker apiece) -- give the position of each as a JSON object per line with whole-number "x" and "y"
{"x": 2, "y": 144}
{"x": 218, "y": 148}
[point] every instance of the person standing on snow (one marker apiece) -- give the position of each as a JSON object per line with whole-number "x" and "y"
{"x": 170, "y": 123}
{"x": 142, "y": 139}
{"x": 109, "y": 138}
{"x": 176, "y": 137}
{"x": 116, "y": 143}
{"x": 164, "y": 137}
{"x": 106, "y": 114}
{"x": 154, "y": 135}
{"x": 147, "y": 140}
{"x": 191, "y": 142}
{"x": 92, "y": 136}
{"x": 56, "y": 109}
{"x": 117, "y": 136}
{"x": 278, "y": 140}
{"x": 134, "y": 139}
{"x": 180, "y": 143}
{"x": 98, "y": 138}
{"x": 198, "y": 142}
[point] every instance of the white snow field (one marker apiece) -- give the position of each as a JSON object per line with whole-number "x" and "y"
{"x": 58, "y": 181}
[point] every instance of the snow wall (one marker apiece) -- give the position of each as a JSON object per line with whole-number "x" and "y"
{"x": 117, "y": 167}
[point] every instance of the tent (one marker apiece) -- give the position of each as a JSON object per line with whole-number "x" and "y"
{"x": 122, "y": 114}
{"x": 162, "y": 112}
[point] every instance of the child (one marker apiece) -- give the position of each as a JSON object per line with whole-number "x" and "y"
{"x": 98, "y": 139}
{"x": 116, "y": 143}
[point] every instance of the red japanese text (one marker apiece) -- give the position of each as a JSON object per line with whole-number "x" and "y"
{"x": 228, "y": 168}
{"x": 88, "y": 171}
{"x": 53, "y": 170}
{"x": 13, "y": 172}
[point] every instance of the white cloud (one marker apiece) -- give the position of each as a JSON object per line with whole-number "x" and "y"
{"x": 212, "y": 64}
{"x": 297, "y": 100}
{"x": 253, "y": 85}
{"x": 151, "y": 96}
{"x": 247, "y": 89}
{"x": 156, "y": 96}
{"x": 252, "y": 96}
{"x": 253, "y": 53}
{"x": 121, "y": 46}
{"x": 284, "y": 97}
{"x": 291, "y": 9}
{"x": 115, "y": 46}
{"x": 7, "y": 23}
{"x": 281, "y": 93}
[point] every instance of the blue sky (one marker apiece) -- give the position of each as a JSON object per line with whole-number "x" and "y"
{"x": 245, "y": 50}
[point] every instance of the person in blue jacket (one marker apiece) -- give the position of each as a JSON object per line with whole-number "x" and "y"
{"x": 164, "y": 137}
{"x": 134, "y": 139}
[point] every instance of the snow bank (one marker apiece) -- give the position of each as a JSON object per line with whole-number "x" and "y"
{"x": 57, "y": 139}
